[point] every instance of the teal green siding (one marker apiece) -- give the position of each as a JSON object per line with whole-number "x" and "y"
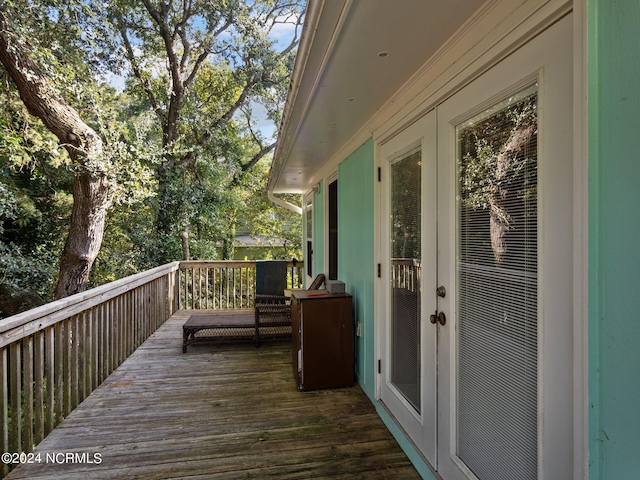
{"x": 355, "y": 250}
{"x": 614, "y": 238}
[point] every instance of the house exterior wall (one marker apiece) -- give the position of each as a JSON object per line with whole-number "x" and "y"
{"x": 614, "y": 230}
{"x": 355, "y": 251}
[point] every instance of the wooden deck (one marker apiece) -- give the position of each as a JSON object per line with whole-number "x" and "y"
{"x": 218, "y": 411}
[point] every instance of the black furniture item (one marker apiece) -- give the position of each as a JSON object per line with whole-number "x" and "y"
{"x": 271, "y": 277}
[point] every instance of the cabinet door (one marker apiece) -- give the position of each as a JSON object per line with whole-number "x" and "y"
{"x": 296, "y": 358}
{"x": 327, "y": 343}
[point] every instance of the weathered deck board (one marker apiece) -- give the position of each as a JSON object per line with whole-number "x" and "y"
{"x": 218, "y": 411}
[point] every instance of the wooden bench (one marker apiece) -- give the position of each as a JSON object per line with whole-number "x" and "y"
{"x": 265, "y": 321}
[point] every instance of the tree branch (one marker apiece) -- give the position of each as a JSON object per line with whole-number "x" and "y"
{"x": 294, "y": 41}
{"x": 256, "y": 158}
{"x": 205, "y": 53}
{"x": 81, "y": 141}
{"x": 170, "y": 128}
{"x": 237, "y": 104}
{"x": 146, "y": 84}
{"x": 181, "y": 32}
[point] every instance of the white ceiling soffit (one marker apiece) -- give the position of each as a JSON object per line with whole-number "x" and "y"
{"x": 353, "y": 56}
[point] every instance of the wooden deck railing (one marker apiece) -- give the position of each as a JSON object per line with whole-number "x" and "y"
{"x": 52, "y": 357}
{"x": 226, "y": 285}
{"x": 406, "y": 274}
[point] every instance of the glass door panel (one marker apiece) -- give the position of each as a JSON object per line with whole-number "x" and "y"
{"x": 497, "y": 290}
{"x": 405, "y": 262}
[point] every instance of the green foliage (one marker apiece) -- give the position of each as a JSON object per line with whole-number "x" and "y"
{"x": 406, "y": 217}
{"x": 497, "y": 169}
{"x": 494, "y": 155}
{"x": 31, "y": 272}
{"x": 199, "y": 67}
{"x": 8, "y": 205}
{"x": 260, "y": 217}
{"x": 209, "y": 173}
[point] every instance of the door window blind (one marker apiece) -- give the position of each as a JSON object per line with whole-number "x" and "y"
{"x": 497, "y": 290}
{"x": 405, "y": 280}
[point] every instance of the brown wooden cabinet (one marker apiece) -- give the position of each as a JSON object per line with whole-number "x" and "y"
{"x": 322, "y": 339}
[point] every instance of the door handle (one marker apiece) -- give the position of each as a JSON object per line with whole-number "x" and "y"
{"x": 438, "y": 318}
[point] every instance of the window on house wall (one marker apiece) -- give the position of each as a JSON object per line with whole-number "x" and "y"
{"x": 333, "y": 230}
{"x": 308, "y": 205}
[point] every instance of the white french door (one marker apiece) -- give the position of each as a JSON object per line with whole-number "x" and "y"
{"x": 476, "y": 228}
{"x": 409, "y": 242}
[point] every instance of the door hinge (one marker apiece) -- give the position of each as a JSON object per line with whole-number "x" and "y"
{"x": 379, "y": 366}
{"x": 379, "y": 174}
{"x": 379, "y": 271}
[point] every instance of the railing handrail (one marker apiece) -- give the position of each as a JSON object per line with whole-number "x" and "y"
{"x": 226, "y": 263}
{"x": 46, "y": 315}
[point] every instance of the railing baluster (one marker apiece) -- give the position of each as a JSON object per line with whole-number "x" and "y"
{"x": 117, "y": 316}
{"x": 193, "y": 288}
{"x": 227, "y": 292}
{"x": 88, "y": 354}
{"x": 152, "y": 308}
{"x": 234, "y": 292}
{"x": 137, "y": 315}
{"x": 27, "y": 401}
{"x": 4, "y": 408}
{"x": 95, "y": 341}
{"x": 80, "y": 335}
{"x": 214, "y": 288}
{"x": 113, "y": 335}
{"x": 183, "y": 279}
{"x": 15, "y": 362}
{"x": 106, "y": 341}
{"x": 206, "y": 287}
{"x": 50, "y": 368}
{"x": 59, "y": 371}
{"x": 133, "y": 344}
{"x": 39, "y": 386}
{"x": 200, "y": 288}
{"x": 66, "y": 352}
{"x": 125, "y": 328}
{"x": 73, "y": 331}
{"x": 146, "y": 314}
{"x": 122, "y": 346}
{"x": 222, "y": 278}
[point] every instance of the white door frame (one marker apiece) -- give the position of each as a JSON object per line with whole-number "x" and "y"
{"x": 307, "y": 200}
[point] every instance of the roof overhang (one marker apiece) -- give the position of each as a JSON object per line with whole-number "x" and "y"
{"x": 354, "y": 55}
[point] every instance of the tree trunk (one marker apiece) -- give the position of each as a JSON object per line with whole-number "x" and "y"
{"x": 91, "y": 200}
{"x": 91, "y": 188}
{"x": 228, "y": 248}
{"x": 500, "y": 220}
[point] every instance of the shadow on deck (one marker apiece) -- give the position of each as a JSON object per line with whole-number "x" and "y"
{"x": 218, "y": 411}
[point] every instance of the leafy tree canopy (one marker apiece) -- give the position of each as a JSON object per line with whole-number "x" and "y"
{"x": 175, "y": 91}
